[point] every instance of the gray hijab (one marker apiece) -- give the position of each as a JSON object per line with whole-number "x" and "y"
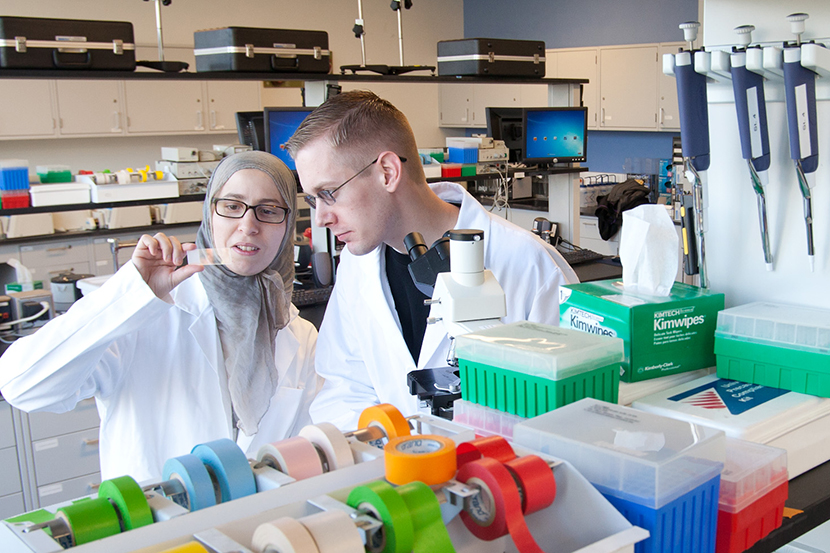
{"x": 250, "y": 309}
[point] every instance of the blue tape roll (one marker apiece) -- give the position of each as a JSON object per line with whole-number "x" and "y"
{"x": 229, "y": 466}
{"x": 195, "y": 477}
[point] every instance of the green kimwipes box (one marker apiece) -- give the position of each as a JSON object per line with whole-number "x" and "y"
{"x": 527, "y": 369}
{"x": 663, "y": 335}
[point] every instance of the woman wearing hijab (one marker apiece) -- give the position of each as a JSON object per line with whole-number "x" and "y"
{"x": 177, "y": 355}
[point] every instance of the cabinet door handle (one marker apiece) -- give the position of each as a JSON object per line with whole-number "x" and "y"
{"x": 199, "y": 125}
{"x": 62, "y": 271}
{"x": 91, "y": 441}
{"x": 59, "y": 249}
{"x": 602, "y": 118}
{"x": 116, "y": 121}
{"x": 213, "y": 119}
{"x": 93, "y": 486}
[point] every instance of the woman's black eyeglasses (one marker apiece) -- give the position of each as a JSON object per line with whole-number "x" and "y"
{"x": 264, "y": 213}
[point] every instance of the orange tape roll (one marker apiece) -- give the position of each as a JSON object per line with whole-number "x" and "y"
{"x": 494, "y": 447}
{"x": 427, "y": 458}
{"x": 497, "y": 509}
{"x": 387, "y": 417}
{"x": 536, "y": 482}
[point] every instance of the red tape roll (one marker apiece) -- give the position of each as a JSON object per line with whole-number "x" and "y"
{"x": 536, "y": 482}
{"x": 494, "y": 447}
{"x": 497, "y": 509}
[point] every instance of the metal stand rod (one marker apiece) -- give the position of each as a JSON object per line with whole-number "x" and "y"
{"x": 400, "y": 32}
{"x": 158, "y": 30}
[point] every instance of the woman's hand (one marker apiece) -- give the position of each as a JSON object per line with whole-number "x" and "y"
{"x": 157, "y": 259}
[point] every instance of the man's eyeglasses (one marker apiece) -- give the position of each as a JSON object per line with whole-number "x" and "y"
{"x": 328, "y": 195}
{"x": 264, "y": 213}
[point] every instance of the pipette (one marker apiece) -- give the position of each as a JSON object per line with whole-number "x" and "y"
{"x": 694, "y": 134}
{"x": 800, "y": 90}
{"x": 750, "y": 104}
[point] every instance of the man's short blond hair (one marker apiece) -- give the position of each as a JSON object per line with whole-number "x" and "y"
{"x": 358, "y": 124}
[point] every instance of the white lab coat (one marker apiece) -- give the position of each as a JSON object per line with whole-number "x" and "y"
{"x": 156, "y": 371}
{"x": 361, "y": 352}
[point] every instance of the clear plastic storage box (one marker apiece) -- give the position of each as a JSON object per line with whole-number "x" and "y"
{"x": 486, "y": 421}
{"x": 528, "y": 368}
{"x": 777, "y": 345}
{"x": 753, "y": 490}
{"x": 662, "y": 474}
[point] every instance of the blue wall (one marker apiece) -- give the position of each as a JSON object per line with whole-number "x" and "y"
{"x": 574, "y": 24}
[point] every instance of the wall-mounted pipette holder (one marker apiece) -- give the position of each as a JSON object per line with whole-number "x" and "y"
{"x": 715, "y": 65}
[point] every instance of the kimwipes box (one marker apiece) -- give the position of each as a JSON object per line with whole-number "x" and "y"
{"x": 662, "y": 335}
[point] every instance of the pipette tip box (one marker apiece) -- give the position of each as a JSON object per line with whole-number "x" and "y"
{"x": 486, "y": 421}
{"x": 753, "y": 490}
{"x": 662, "y": 474}
{"x": 527, "y": 369}
{"x": 777, "y": 345}
{"x": 663, "y": 335}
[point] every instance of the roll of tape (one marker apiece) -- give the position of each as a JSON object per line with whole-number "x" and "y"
{"x": 229, "y": 466}
{"x": 285, "y": 535}
{"x": 431, "y": 534}
{"x": 333, "y": 532}
{"x": 191, "y": 472}
{"x": 536, "y": 482}
{"x": 386, "y": 416}
{"x": 494, "y": 447}
{"x": 190, "y": 547}
{"x": 331, "y": 442}
{"x": 295, "y": 457}
{"x": 381, "y": 499}
{"x": 427, "y": 458}
{"x": 129, "y": 501}
{"x": 90, "y": 520}
{"x": 497, "y": 510}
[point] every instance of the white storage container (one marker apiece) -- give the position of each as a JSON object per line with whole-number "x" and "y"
{"x": 59, "y": 194}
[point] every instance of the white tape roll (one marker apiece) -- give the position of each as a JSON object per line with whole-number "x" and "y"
{"x": 334, "y": 532}
{"x": 331, "y": 441}
{"x": 295, "y": 457}
{"x": 284, "y": 535}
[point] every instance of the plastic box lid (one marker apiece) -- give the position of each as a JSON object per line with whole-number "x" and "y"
{"x": 742, "y": 410}
{"x": 751, "y": 470}
{"x": 14, "y": 164}
{"x": 790, "y": 326}
{"x": 538, "y": 349}
{"x": 636, "y": 456}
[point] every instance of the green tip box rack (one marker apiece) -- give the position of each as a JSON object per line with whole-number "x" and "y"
{"x": 527, "y": 369}
{"x": 663, "y": 335}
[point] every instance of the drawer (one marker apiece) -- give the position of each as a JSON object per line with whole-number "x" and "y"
{"x": 67, "y": 490}
{"x": 11, "y": 505}
{"x": 10, "y": 475}
{"x": 589, "y": 228}
{"x": 48, "y": 425}
{"x": 66, "y": 456}
{"x": 6, "y": 428}
{"x": 54, "y": 253}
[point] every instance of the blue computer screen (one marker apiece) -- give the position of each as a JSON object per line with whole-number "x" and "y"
{"x": 280, "y": 125}
{"x": 555, "y": 134}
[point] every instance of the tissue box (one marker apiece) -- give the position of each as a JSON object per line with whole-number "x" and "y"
{"x": 662, "y": 334}
{"x": 24, "y": 286}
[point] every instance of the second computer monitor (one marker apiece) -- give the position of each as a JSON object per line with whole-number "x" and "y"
{"x": 555, "y": 135}
{"x": 280, "y": 125}
{"x": 506, "y": 124}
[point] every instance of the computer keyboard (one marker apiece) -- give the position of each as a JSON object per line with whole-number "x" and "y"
{"x": 310, "y": 296}
{"x": 575, "y": 257}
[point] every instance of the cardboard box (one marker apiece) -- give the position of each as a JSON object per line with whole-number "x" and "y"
{"x": 662, "y": 334}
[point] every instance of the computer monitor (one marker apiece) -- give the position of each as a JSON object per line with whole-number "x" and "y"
{"x": 506, "y": 124}
{"x": 555, "y": 135}
{"x": 251, "y": 128}
{"x": 280, "y": 125}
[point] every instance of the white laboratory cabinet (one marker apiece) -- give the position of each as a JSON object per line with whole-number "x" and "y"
{"x": 18, "y": 123}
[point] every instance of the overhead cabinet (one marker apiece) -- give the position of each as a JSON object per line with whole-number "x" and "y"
{"x": 24, "y": 123}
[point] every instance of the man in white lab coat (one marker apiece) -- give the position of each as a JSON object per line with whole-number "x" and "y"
{"x": 358, "y": 165}
{"x": 176, "y": 359}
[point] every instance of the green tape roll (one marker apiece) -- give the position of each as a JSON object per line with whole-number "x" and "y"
{"x": 383, "y": 500}
{"x": 430, "y": 533}
{"x": 129, "y": 500}
{"x": 91, "y": 520}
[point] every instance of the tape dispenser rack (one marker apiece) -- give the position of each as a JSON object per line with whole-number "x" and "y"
{"x": 127, "y": 176}
{"x": 395, "y": 485}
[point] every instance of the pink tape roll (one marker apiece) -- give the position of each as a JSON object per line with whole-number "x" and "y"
{"x": 295, "y": 457}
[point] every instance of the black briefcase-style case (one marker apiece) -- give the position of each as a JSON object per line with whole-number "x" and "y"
{"x": 262, "y": 50}
{"x": 44, "y": 43}
{"x": 495, "y": 57}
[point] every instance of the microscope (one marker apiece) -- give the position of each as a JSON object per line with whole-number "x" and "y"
{"x": 467, "y": 298}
